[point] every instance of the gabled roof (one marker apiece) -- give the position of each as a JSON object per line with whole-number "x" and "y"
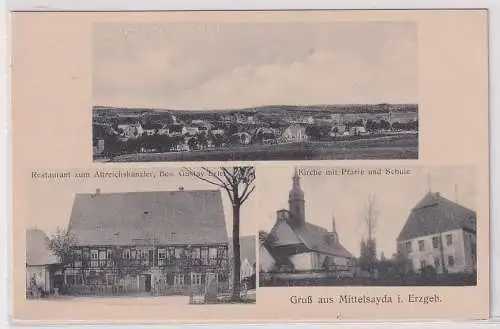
{"x": 314, "y": 238}
{"x": 434, "y": 214}
{"x": 37, "y": 248}
{"x": 282, "y": 234}
{"x": 135, "y": 218}
{"x": 311, "y": 236}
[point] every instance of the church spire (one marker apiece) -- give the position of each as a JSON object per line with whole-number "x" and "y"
{"x": 296, "y": 179}
{"x": 296, "y": 203}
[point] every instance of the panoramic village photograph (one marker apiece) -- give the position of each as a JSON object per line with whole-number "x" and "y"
{"x": 412, "y": 229}
{"x": 250, "y": 91}
{"x": 190, "y": 240}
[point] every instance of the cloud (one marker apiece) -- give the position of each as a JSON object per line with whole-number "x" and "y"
{"x": 321, "y": 78}
{"x": 257, "y": 65}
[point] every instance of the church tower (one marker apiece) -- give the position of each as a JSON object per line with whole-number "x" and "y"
{"x": 296, "y": 203}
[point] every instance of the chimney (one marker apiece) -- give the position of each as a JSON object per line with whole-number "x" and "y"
{"x": 97, "y": 191}
{"x": 181, "y": 188}
{"x": 438, "y": 194}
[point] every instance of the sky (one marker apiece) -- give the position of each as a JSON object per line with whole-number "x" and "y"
{"x": 195, "y": 66}
{"x": 346, "y": 197}
{"x": 51, "y": 200}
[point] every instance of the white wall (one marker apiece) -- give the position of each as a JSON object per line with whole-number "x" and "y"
{"x": 266, "y": 261}
{"x": 305, "y": 261}
{"x": 429, "y": 254}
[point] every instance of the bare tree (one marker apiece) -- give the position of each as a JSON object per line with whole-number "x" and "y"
{"x": 370, "y": 216}
{"x": 239, "y": 183}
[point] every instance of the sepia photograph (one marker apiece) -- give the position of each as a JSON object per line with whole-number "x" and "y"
{"x": 181, "y": 243}
{"x": 226, "y": 166}
{"x": 369, "y": 226}
{"x": 254, "y": 91}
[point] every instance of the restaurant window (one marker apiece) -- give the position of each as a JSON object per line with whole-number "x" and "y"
{"x": 196, "y": 253}
{"x": 78, "y": 258}
{"x": 94, "y": 255}
{"x": 178, "y": 252}
{"x": 204, "y": 253}
{"x": 126, "y": 254}
{"x": 170, "y": 252}
{"x": 145, "y": 257}
{"x": 162, "y": 254}
{"x": 222, "y": 277}
{"x": 179, "y": 280}
{"x": 212, "y": 253}
{"x": 196, "y": 279}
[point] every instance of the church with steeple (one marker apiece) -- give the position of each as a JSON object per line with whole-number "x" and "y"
{"x": 296, "y": 244}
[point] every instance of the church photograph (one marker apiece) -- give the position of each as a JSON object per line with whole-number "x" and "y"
{"x": 366, "y": 226}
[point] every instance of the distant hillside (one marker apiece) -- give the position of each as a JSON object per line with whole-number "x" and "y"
{"x": 269, "y": 109}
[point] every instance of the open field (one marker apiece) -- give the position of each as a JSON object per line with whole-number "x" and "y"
{"x": 404, "y": 146}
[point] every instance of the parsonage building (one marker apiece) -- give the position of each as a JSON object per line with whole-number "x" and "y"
{"x": 441, "y": 234}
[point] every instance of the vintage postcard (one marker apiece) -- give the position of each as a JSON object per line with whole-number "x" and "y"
{"x": 302, "y": 166}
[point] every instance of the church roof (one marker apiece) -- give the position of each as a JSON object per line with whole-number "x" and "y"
{"x": 434, "y": 214}
{"x": 314, "y": 238}
{"x": 134, "y": 218}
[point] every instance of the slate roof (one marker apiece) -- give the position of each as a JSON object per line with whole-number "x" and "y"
{"x": 314, "y": 239}
{"x": 37, "y": 249}
{"x": 141, "y": 218}
{"x": 434, "y": 214}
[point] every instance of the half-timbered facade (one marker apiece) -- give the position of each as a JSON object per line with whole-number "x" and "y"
{"x": 148, "y": 242}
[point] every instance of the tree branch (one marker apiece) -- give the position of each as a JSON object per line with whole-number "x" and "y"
{"x": 225, "y": 185}
{"x": 230, "y": 177}
{"x": 203, "y": 178}
{"x": 245, "y": 197}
